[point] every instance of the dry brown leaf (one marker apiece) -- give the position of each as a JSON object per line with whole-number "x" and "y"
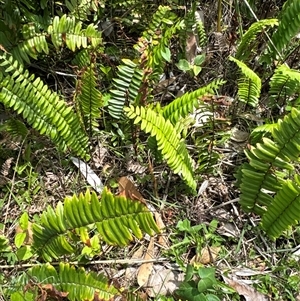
{"x": 162, "y": 239}
{"x": 249, "y": 293}
{"x": 146, "y": 268}
{"x": 127, "y": 189}
{"x": 207, "y": 255}
{"x": 163, "y": 281}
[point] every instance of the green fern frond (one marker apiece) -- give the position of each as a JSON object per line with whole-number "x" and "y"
{"x": 89, "y": 98}
{"x": 81, "y": 10}
{"x": 68, "y": 31}
{"x": 202, "y": 37}
{"x": 126, "y": 87}
{"x": 186, "y": 104}
{"x": 249, "y": 84}
{"x": 15, "y": 128}
{"x": 168, "y": 142}
{"x": 266, "y": 175}
{"x": 115, "y": 217}
{"x": 41, "y": 107}
{"x": 289, "y": 24}
{"x": 283, "y": 212}
{"x": 245, "y": 47}
{"x": 74, "y": 284}
{"x": 284, "y": 83}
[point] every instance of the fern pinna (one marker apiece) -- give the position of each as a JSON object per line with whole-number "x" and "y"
{"x": 115, "y": 218}
{"x": 268, "y": 186}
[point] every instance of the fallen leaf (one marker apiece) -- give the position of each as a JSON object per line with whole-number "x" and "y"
{"x": 207, "y": 255}
{"x": 163, "y": 281}
{"x": 146, "y": 268}
{"x": 249, "y": 293}
{"x": 89, "y": 174}
{"x": 128, "y": 190}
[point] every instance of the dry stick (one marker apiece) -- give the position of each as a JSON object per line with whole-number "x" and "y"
{"x": 94, "y": 262}
{"x": 222, "y": 205}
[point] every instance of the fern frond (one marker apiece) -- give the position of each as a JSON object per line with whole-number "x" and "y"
{"x": 168, "y": 142}
{"x": 284, "y": 83}
{"x": 81, "y": 10}
{"x": 245, "y": 46}
{"x": 186, "y": 104}
{"x": 249, "y": 84}
{"x": 74, "y": 284}
{"x": 68, "y": 31}
{"x": 283, "y": 212}
{"x": 115, "y": 217}
{"x": 270, "y": 163}
{"x": 41, "y": 107}
{"x": 89, "y": 98}
{"x": 289, "y": 24}
{"x": 15, "y": 128}
{"x": 126, "y": 87}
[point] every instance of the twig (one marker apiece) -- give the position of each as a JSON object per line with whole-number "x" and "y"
{"x": 94, "y": 262}
{"x": 222, "y": 205}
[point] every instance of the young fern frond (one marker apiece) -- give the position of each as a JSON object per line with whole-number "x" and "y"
{"x": 289, "y": 24}
{"x": 186, "y": 104}
{"x": 249, "y": 84}
{"x": 173, "y": 149}
{"x": 270, "y": 165}
{"x": 126, "y": 87}
{"x": 245, "y": 47}
{"x": 42, "y": 108}
{"x": 116, "y": 219}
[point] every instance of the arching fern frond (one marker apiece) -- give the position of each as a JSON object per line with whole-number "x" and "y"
{"x": 249, "y": 84}
{"x": 126, "y": 87}
{"x": 74, "y": 284}
{"x": 289, "y": 24}
{"x": 42, "y": 108}
{"x": 247, "y": 44}
{"x": 168, "y": 141}
{"x": 267, "y": 175}
{"x": 81, "y": 10}
{"x": 115, "y": 217}
{"x": 186, "y": 104}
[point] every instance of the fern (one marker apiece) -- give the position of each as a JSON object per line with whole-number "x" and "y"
{"x": 247, "y": 43}
{"x": 116, "y": 220}
{"x": 289, "y": 24}
{"x": 249, "y": 84}
{"x": 266, "y": 174}
{"x": 283, "y": 84}
{"x": 126, "y": 87}
{"x": 284, "y": 210}
{"x": 186, "y": 104}
{"x": 74, "y": 284}
{"x": 42, "y": 108}
{"x": 168, "y": 142}
{"x": 89, "y": 98}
